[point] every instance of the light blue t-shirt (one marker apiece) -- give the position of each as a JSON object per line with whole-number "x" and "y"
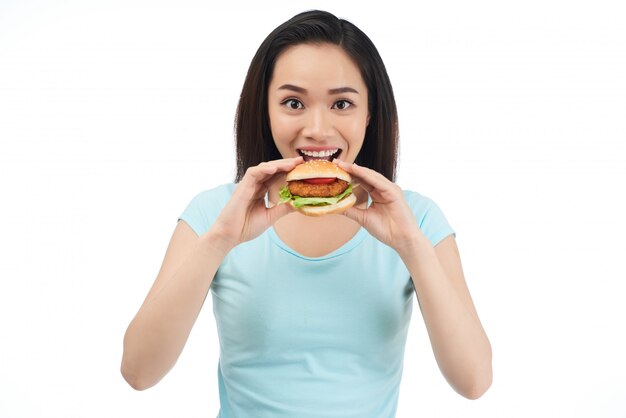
{"x": 305, "y": 337}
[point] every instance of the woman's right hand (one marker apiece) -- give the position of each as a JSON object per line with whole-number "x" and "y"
{"x": 245, "y": 216}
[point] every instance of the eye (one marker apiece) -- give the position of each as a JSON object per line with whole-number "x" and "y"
{"x": 342, "y": 104}
{"x": 293, "y": 104}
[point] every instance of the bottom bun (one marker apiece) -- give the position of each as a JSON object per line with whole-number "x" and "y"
{"x": 339, "y": 207}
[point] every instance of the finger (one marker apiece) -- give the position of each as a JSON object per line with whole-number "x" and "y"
{"x": 276, "y": 212}
{"x": 287, "y": 164}
{"x": 270, "y": 167}
{"x": 277, "y": 178}
{"x": 373, "y": 178}
{"x": 380, "y": 187}
{"x": 260, "y": 174}
{"x": 363, "y": 184}
{"x": 356, "y": 214}
{"x": 364, "y": 180}
{"x": 283, "y": 168}
{"x": 347, "y": 167}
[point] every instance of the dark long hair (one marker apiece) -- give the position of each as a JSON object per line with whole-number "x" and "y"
{"x": 254, "y": 141}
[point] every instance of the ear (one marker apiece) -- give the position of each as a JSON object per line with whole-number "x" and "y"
{"x": 367, "y": 123}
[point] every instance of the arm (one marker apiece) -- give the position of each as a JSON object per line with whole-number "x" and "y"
{"x": 158, "y": 333}
{"x": 459, "y": 342}
{"x": 460, "y": 345}
{"x": 156, "y": 336}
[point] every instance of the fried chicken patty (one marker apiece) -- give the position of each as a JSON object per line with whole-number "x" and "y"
{"x": 300, "y": 188}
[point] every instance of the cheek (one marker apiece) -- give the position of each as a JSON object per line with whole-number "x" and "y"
{"x": 281, "y": 126}
{"x": 275, "y": 122}
{"x": 355, "y": 130}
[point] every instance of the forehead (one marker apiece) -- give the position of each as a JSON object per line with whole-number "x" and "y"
{"x": 324, "y": 64}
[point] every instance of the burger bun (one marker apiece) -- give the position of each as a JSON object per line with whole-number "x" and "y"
{"x": 318, "y": 169}
{"x": 339, "y": 207}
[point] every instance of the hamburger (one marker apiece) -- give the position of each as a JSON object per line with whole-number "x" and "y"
{"x": 318, "y": 187}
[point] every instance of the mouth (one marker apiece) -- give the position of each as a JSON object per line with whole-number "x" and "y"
{"x": 323, "y": 154}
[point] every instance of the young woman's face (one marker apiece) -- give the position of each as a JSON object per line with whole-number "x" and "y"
{"x": 317, "y": 103}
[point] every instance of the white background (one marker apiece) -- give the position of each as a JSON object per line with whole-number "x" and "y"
{"x": 113, "y": 115}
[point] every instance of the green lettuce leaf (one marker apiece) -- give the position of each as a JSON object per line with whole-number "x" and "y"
{"x": 298, "y": 201}
{"x": 284, "y": 195}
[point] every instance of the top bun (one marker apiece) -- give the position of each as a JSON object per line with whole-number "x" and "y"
{"x": 318, "y": 169}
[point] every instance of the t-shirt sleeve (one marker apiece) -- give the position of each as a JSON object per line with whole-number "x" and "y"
{"x": 430, "y": 217}
{"x": 205, "y": 207}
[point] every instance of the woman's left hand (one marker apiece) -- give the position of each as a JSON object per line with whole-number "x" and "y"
{"x": 389, "y": 218}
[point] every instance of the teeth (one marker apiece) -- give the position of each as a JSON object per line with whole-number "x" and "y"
{"x": 325, "y": 153}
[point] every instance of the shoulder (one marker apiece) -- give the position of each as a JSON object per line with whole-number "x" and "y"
{"x": 205, "y": 206}
{"x": 429, "y": 215}
{"x": 219, "y": 195}
{"x": 420, "y": 204}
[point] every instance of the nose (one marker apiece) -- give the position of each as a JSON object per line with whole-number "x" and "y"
{"x": 318, "y": 125}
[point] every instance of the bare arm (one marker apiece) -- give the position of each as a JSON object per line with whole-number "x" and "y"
{"x": 158, "y": 333}
{"x": 459, "y": 342}
{"x": 156, "y": 336}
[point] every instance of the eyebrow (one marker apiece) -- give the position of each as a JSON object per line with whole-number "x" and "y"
{"x": 338, "y": 90}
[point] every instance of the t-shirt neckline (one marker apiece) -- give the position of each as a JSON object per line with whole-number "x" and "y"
{"x": 352, "y": 242}
{"x": 349, "y": 245}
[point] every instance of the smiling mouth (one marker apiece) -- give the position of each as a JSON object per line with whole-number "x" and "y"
{"x": 327, "y": 155}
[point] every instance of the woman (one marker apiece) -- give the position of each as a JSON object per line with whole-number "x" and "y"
{"x": 312, "y": 313}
